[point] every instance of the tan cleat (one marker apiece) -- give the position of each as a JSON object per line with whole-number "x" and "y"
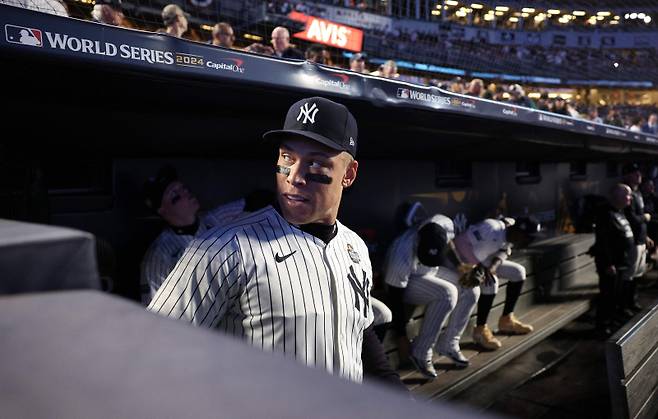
{"x": 511, "y": 325}
{"x": 483, "y": 336}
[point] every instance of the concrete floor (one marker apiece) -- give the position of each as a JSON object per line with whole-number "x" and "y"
{"x": 562, "y": 377}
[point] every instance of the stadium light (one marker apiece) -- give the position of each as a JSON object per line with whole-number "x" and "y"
{"x": 502, "y": 8}
{"x": 539, "y": 18}
{"x": 476, "y": 6}
{"x": 633, "y": 15}
{"x": 528, "y": 10}
{"x": 525, "y": 14}
{"x": 603, "y": 13}
{"x": 614, "y": 22}
{"x": 553, "y": 11}
{"x": 641, "y": 15}
{"x": 514, "y": 19}
{"x": 599, "y": 17}
{"x": 252, "y": 37}
{"x": 451, "y": 2}
{"x": 617, "y": 17}
{"x": 460, "y": 13}
{"x": 489, "y": 18}
{"x": 436, "y": 12}
{"x": 647, "y": 19}
{"x": 615, "y": 65}
{"x": 579, "y": 13}
{"x": 499, "y": 13}
{"x": 627, "y": 16}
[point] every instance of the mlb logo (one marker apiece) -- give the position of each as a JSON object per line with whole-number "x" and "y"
{"x": 24, "y": 36}
{"x": 403, "y": 93}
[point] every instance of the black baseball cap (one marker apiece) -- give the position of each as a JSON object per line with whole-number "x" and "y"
{"x": 630, "y": 168}
{"x": 321, "y": 120}
{"x": 155, "y": 186}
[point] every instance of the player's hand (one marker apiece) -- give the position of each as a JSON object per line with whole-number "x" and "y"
{"x": 647, "y": 217}
{"x": 471, "y": 276}
{"x": 611, "y": 270}
{"x": 490, "y": 277}
{"x": 650, "y": 243}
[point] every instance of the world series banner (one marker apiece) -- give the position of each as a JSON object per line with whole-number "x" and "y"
{"x": 37, "y": 35}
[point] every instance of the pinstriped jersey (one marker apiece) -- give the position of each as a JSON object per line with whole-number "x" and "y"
{"x": 402, "y": 260}
{"x": 168, "y": 247}
{"x": 279, "y": 288}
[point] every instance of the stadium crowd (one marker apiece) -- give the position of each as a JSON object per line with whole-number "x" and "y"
{"x": 438, "y": 48}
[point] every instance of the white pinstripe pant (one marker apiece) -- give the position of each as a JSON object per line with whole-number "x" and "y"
{"x": 440, "y": 291}
{"x": 509, "y": 270}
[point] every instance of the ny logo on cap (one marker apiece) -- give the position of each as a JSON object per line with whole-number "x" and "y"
{"x": 307, "y": 113}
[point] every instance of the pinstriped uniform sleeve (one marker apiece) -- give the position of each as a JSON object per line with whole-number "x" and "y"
{"x": 400, "y": 261}
{"x": 206, "y": 282}
{"x": 155, "y": 268}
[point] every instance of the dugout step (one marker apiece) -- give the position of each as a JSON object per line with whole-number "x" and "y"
{"x": 546, "y": 318}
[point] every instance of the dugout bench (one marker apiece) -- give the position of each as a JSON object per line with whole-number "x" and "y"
{"x": 561, "y": 281}
{"x": 632, "y": 361}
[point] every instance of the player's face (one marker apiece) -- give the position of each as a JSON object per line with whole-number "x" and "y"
{"x": 622, "y": 197}
{"x": 178, "y": 205}
{"x": 310, "y": 181}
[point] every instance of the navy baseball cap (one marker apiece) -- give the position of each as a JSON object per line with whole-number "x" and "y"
{"x": 155, "y": 186}
{"x": 322, "y": 120}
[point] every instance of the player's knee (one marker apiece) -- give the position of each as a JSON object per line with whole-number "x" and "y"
{"x": 451, "y": 295}
{"x": 517, "y": 274}
{"x": 470, "y": 295}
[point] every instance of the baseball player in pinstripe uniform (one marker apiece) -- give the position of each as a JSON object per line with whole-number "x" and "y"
{"x": 288, "y": 278}
{"x": 489, "y": 244}
{"x": 167, "y": 196}
{"x": 422, "y": 268}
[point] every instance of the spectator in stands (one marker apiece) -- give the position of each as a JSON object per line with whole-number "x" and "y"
{"x": 457, "y": 85}
{"x": 281, "y": 44}
{"x": 222, "y": 35}
{"x": 519, "y": 98}
{"x": 613, "y": 118}
{"x": 388, "y": 70}
{"x": 651, "y": 127}
{"x": 170, "y": 199}
{"x": 544, "y": 102}
{"x": 53, "y": 7}
{"x": 317, "y": 53}
{"x": 489, "y": 92}
{"x": 475, "y": 88}
{"x": 110, "y": 13}
{"x": 560, "y": 106}
{"x": 593, "y": 115}
{"x": 636, "y": 124}
{"x": 175, "y": 20}
{"x": 612, "y": 253}
{"x": 358, "y": 63}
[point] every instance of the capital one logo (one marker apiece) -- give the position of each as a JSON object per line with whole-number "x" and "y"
{"x": 307, "y": 113}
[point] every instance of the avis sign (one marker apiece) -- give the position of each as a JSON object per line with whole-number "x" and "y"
{"x": 328, "y": 33}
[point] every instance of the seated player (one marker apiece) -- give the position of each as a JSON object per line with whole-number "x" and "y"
{"x": 487, "y": 245}
{"x": 422, "y": 268}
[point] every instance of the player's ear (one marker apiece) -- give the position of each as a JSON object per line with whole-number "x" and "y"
{"x": 350, "y": 173}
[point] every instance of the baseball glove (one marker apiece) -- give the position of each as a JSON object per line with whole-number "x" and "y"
{"x": 472, "y": 276}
